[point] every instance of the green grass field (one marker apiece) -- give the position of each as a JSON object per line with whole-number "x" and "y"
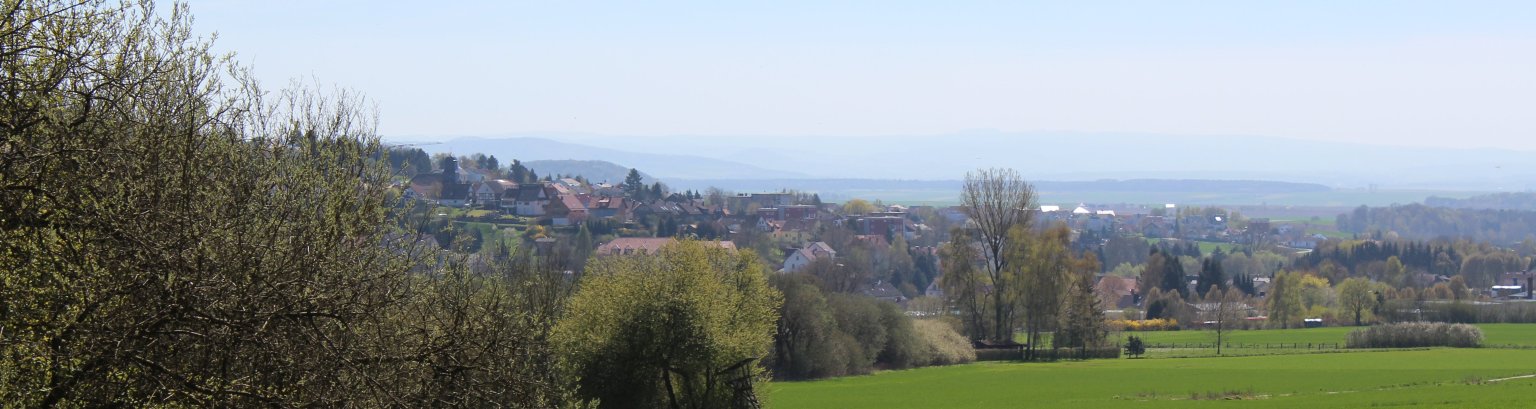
{"x": 1493, "y": 335}
{"x": 1448, "y": 378}
{"x": 1206, "y": 247}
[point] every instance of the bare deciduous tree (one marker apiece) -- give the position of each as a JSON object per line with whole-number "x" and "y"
{"x": 997, "y": 201}
{"x": 963, "y": 284}
{"x": 1223, "y": 310}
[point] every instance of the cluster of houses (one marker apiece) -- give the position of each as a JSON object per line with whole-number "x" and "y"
{"x": 1200, "y": 227}
{"x": 563, "y": 202}
{"x": 798, "y": 259}
{"x": 893, "y": 220}
{"x": 568, "y": 201}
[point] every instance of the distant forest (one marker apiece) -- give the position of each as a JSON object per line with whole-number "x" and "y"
{"x": 592, "y": 170}
{"x": 1496, "y": 201}
{"x": 1420, "y": 222}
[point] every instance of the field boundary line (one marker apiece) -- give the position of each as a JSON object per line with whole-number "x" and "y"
{"x": 1512, "y": 378}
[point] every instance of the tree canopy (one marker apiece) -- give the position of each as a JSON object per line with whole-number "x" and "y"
{"x": 858, "y": 206}
{"x": 679, "y": 329}
{"x": 173, "y": 234}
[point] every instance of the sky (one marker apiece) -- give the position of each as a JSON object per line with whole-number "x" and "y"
{"x": 1402, "y": 72}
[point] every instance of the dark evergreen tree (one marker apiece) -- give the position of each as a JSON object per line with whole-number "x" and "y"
{"x": 634, "y": 184}
{"x": 1210, "y": 275}
{"x": 1244, "y": 283}
{"x": 518, "y": 172}
{"x": 409, "y": 161}
{"x": 583, "y": 247}
{"x": 664, "y": 227}
{"x": 1082, "y": 318}
{"x": 1173, "y": 277}
{"x": 1135, "y": 347}
{"x": 450, "y": 170}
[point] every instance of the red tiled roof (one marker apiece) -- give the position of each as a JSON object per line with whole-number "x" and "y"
{"x": 572, "y": 203}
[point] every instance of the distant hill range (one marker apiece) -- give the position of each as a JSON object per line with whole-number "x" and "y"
{"x": 1141, "y": 191}
{"x": 1064, "y": 156}
{"x": 678, "y": 165}
{"x": 1065, "y": 166}
{"x": 1108, "y": 185}
{"x": 593, "y": 170}
{"x": 1496, "y": 201}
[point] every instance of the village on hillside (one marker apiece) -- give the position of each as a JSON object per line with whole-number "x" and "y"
{"x": 797, "y": 232}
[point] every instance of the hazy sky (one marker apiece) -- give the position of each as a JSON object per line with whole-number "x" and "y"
{"x": 1436, "y": 73}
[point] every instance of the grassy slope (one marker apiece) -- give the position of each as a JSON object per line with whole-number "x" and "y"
{"x": 1426, "y": 378}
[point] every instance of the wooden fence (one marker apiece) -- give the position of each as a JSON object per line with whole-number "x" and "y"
{"x": 1280, "y": 345}
{"x": 1012, "y": 354}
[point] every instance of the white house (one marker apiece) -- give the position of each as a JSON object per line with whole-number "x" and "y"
{"x": 531, "y": 200}
{"x": 489, "y": 193}
{"x": 803, "y": 257}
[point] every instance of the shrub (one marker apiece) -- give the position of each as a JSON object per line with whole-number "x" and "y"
{"x": 1417, "y": 334}
{"x": 807, "y": 344}
{"x": 1056, "y": 354}
{"x": 859, "y": 318}
{"x": 1468, "y": 313}
{"x": 944, "y": 345}
{"x": 1009, "y": 354}
{"x": 1158, "y": 324}
{"x": 903, "y": 348}
{"x": 1135, "y": 347}
{"x": 827, "y": 335}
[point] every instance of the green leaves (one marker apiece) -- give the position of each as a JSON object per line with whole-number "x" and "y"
{"x": 644, "y": 330}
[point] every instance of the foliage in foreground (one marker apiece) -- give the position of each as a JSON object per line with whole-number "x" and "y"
{"x": 172, "y": 235}
{"x": 683, "y": 328}
{"x": 1416, "y": 334}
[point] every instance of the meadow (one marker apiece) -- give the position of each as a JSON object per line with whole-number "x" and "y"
{"x": 1494, "y": 335}
{"x": 1450, "y": 378}
{"x": 1206, "y": 247}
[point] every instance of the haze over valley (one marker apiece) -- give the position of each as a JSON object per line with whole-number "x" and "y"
{"x": 1342, "y": 174}
{"x": 746, "y": 205}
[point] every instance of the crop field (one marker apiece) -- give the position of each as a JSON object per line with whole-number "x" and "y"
{"x": 1444, "y": 378}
